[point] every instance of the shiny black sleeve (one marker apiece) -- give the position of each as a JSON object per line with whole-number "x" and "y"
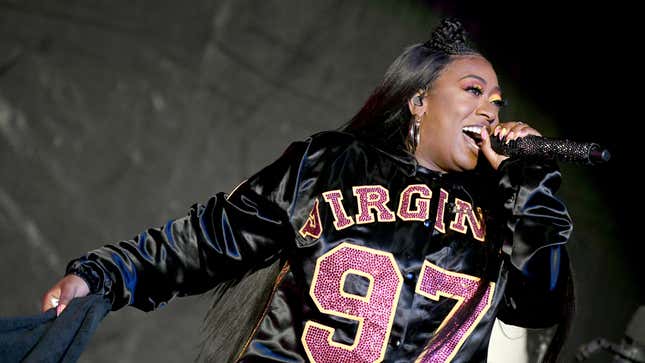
{"x": 224, "y": 238}
{"x": 536, "y": 229}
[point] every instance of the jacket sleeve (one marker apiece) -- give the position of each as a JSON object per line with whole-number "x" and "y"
{"x": 224, "y": 238}
{"x": 536, "y": 227}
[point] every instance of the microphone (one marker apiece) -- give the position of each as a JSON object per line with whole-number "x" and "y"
{"x": 542, "y": 148}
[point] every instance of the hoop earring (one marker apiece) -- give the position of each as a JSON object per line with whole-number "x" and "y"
{"x": 413, "y": 134}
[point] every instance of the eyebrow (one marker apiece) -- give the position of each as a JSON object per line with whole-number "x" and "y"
{"x": 480, "y": 79}
{"x": 473, "y": 76}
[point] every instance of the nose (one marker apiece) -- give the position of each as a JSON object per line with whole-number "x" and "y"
{"x": 488, "y": 111}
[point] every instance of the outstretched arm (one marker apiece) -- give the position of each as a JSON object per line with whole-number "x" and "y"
{"x": 224, "y": 238}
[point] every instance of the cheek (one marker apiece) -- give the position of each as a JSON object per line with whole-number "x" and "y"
{"x": 448, "y": 115}
{"x": 457, "y": 108}
{"x": 464, "y": 107}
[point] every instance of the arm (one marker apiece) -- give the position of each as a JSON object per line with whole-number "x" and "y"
{"x": 536, "y": 228}
{"x": 222, "y": 239}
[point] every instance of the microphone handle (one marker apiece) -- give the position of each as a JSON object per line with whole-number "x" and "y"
{"x": 541, "y": 148}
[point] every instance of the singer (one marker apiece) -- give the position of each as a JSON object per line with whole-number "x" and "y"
{"x": 400, "y": 237}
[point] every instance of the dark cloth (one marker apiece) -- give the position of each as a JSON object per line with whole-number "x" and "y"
{"x": 363, "y": 280}
{"x": 46, "y": 338}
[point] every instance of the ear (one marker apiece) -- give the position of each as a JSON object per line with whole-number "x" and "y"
{"x": 417, "y": 103}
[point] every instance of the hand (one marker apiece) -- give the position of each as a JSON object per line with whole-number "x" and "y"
{"x": 504, "y": 131}
{"x": 63, "y": 292}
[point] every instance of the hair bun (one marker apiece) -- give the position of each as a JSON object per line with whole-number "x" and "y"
{"x": 449, "y": 37}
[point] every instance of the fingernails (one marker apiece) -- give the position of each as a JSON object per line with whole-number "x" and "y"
{"x": 484, "y": 134}
{"x": 59, "y": 309}
{"x": 508, "y": 137}
{"x": 496, "y": 131}
{"x": 502, "y": 133}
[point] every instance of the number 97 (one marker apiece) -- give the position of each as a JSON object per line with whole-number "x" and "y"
{"x": 374, "y": 312}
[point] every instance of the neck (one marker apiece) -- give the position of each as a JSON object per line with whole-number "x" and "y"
{"x": 427, "y": 162}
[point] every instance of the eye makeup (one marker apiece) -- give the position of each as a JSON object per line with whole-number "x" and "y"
{"x": 497, "y": 100}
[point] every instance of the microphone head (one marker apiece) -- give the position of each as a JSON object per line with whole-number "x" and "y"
{"x": 598, "y": 155}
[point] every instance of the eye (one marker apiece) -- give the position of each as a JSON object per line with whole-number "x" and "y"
{"x": 500, "y": 103}
{"x": 476, "y": 90}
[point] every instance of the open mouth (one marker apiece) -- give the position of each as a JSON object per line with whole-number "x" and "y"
{"x": 474, "y": 132}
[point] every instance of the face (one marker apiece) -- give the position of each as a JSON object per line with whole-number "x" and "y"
{"x": 466, "y": 94}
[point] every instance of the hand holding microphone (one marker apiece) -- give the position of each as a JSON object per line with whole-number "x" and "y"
{"x": 516, "y": 139}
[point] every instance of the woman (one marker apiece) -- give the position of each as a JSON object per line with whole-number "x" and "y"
{"x": 400, "y": 238}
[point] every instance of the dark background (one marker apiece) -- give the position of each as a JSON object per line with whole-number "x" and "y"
{"x": 118, "y": 115}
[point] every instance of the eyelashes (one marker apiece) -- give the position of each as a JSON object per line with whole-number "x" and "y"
{"x": 500, "y": 103}
{"x": 478, "y": 91}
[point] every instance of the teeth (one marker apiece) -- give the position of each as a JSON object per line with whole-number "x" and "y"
{"x": 474, "y": 129}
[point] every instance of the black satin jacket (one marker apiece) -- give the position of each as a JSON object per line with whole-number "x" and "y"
{"x": 380, "y": 254}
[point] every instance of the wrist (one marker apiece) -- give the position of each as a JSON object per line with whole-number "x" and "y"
{"x": 96, "y": 281}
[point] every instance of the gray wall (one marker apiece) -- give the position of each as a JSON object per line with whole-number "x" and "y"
{"x": 118, "y": 115}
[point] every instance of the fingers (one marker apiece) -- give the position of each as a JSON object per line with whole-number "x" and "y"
{"x": 518, "y": 129}
{"x": 505, "y": 132}
{"x": 50, "y": 299}
{"x": 485, "y": 146}
{"x": 63, "y": 292}
{"x": 493, "y": 158}
{"x": 512, "y": 130}
{"x": 66, "y": 295}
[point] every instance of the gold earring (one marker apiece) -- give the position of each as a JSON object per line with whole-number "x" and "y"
{"x": 413, "y": 133}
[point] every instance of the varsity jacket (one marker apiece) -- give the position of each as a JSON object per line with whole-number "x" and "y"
{"x": 380, "y": 254}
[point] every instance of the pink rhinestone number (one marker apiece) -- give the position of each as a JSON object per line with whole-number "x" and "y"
{"x": 435, "y": 282}
{"x": 374, "y": 312}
